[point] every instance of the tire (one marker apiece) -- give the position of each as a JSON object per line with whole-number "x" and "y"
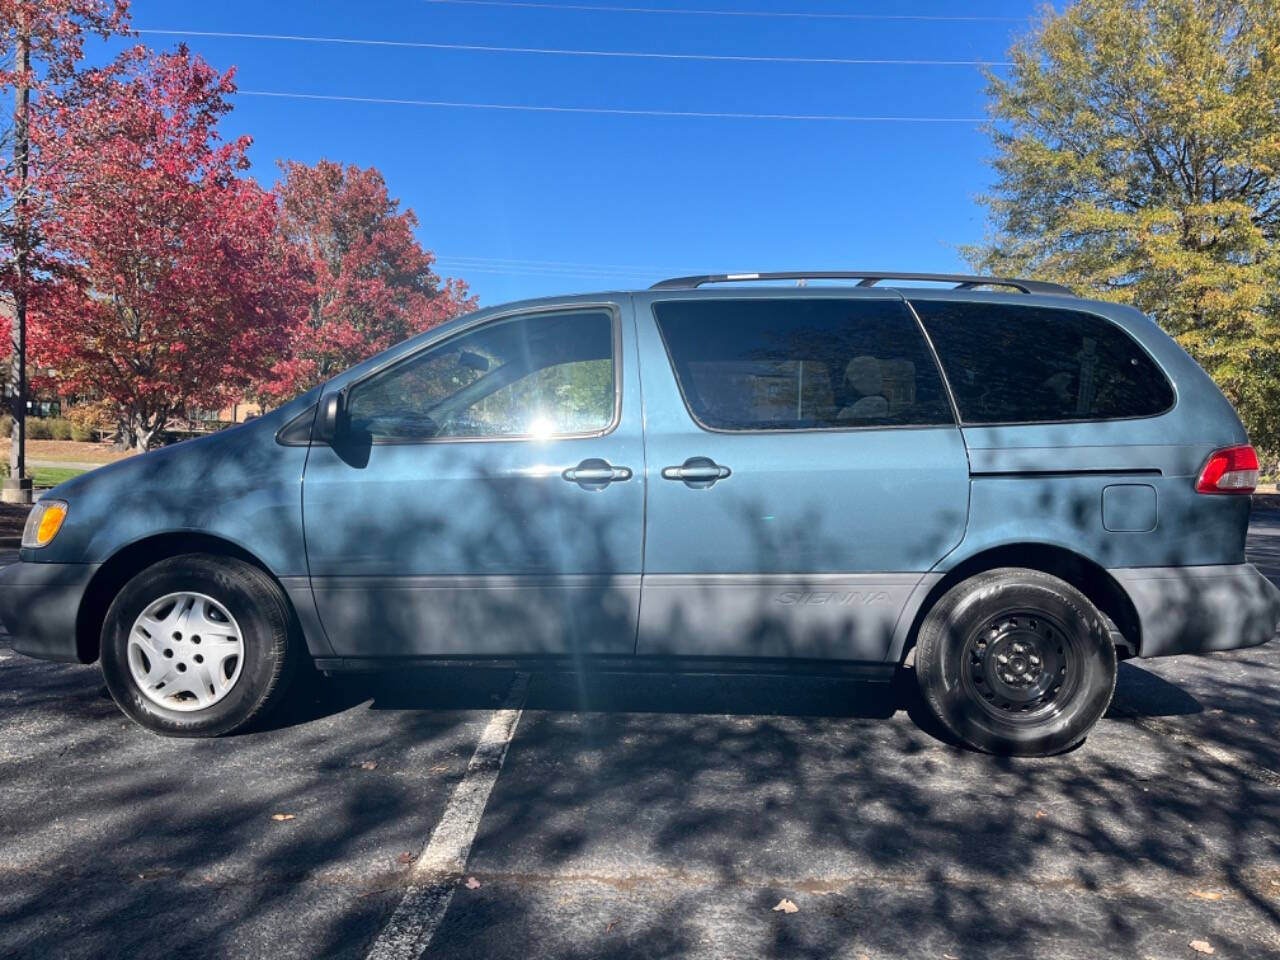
{"x": 1056, "y": 677}
{"x": 167, "y": 677}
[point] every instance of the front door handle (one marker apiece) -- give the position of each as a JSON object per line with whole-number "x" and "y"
{"x": 596, "y": 474}
{"x": 697, "y": 472}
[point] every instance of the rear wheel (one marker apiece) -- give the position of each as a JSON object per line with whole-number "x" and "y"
{"x": 198, "y": 646}
{"x": 1016, "y": 662}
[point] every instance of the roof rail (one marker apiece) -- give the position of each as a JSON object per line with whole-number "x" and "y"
{"x": 869, "y": 278}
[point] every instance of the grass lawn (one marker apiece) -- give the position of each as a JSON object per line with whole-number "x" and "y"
{"x": 46, "y": 476}
{"x": 69, "y": 450}
{"x": 52, "y": 476}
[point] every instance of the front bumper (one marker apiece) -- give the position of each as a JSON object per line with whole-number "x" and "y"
{"x": 39, "y": 603}
{"x": 1201, "y": 609}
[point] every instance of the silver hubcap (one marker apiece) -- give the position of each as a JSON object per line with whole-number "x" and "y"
{"x": 185, "y": 651}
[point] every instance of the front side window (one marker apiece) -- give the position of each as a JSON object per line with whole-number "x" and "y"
{"x": 541, "y": 375}
{"x": 802, "y": 364}
{"x": 1007, "y": 363}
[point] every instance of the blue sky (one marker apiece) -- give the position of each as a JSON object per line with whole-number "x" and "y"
{"x": 531, "y": 203}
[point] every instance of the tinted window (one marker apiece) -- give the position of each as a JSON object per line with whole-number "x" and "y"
{"x": 802, "y": 364}
{"x": 1013, "y": 364}
{"x": 535, "y": 376}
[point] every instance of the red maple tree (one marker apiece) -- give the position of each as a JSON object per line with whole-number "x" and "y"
{"x": 176, "y": 287}
{"x": 371, "y": 283}
{"x": 41, "y": 43}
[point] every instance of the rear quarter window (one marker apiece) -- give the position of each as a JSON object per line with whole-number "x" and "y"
{"x": 1008, "y": 363}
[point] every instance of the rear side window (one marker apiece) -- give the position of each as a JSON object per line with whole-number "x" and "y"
{"x": 802, "y": 364}
{"x": 1013, "y": 364}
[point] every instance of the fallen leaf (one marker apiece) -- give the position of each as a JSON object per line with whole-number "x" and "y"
{"x": 1206, "y": 894}
{"x": 947, "y": 956}
{"x": 1040, "y": 813}
{"x": 439, "y": 768}
{"x": 368, "y": 764}
{"x": 786, "y": 906}
{"x": 406, "y": 857}
{"x": 609, "y": 926}
{"x": 1201, "y": 946}
{"x": 281, "y": 817}
{"x": 472, "y": 883}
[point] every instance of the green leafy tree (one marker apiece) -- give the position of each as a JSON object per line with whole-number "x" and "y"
{"x": 1138, "y": 160}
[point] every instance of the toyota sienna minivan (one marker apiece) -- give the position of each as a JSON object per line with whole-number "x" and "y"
{"x": 1006, "y": 487}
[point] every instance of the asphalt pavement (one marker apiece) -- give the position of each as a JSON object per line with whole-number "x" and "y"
{"x": 483, "y": 813}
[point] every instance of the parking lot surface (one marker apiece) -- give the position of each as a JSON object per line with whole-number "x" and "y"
{"x": 485, "y": 813}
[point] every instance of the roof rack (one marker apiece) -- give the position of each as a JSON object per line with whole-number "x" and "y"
{"x": 869, "y": 278}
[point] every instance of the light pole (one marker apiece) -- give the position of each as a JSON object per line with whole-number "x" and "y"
{"x": 17, "y": 489}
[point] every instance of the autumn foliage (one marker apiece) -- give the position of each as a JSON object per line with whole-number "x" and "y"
{"x": 41, "y": 43}
{"x": 1138, "y": 160}
{"x": 175, "y": 289}
{"x": 370, "y": 283}
{"x": 159, "y": 280}
{"x": 162, "y": 281}
{"x": 55, "y": 30}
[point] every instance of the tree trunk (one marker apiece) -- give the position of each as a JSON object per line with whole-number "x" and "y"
{"x": 135, "y": 431}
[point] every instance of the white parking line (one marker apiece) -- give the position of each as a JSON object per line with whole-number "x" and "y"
{"x": 437, "y": 871}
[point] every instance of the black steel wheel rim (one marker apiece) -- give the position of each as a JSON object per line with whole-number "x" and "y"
{"x": 1022, "y": 666}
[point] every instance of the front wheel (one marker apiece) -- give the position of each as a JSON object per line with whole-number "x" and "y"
{"x": 198, "y": 646}
{"x": 1016, "y": 662}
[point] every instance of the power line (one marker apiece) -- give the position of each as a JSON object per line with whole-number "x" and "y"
{"x": 447, "y": 267}
{"x": 729, "y": 13}
{"x": 611, "y": 111}
{"x": 444, "y": 264}
{"x": 611, "y": 280}
{"x": 553, "y": 263}
{"x": 630, "y": 277}
{"x": 554, "y": 51}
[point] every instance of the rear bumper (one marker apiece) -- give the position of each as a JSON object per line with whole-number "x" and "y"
{"x": 1201, "y": 609}
{"x": 38, "y": 606}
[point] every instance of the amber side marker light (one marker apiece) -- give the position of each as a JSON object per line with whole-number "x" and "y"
{"x": 1230, "y": 470}
{"x": 43, "y": 523}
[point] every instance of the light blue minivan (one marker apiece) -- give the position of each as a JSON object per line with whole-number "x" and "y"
{"x": 1005, "y": 486}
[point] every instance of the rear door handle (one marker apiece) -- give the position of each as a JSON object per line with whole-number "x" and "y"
{"x": 596, "y": 474}
{"x": 697, "y": 472}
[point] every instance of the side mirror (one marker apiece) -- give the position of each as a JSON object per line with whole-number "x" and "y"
{"x": 328, "y": 418}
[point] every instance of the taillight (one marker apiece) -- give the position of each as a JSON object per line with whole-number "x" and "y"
{"x": 1231, "y": 470}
